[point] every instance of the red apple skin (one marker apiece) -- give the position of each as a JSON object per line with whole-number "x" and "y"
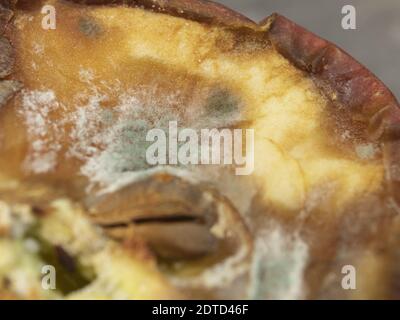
{"x": 346, "y": 83}
{"x": 344, "y": 80}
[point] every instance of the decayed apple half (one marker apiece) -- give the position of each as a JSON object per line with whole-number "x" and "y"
{"x": 75, "y": 109}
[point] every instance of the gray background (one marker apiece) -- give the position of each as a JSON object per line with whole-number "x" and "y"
{"x": 375, "y": 43}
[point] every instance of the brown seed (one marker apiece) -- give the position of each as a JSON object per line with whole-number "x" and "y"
{"x": 177, "y": 241}
{"x": 177, "y": 219}
{"x": 154, "y": 198}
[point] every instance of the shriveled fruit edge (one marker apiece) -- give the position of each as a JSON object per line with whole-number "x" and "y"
{"x": 347, "y": 84}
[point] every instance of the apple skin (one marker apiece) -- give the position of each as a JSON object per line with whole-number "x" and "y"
{"x": 344, "y": 81}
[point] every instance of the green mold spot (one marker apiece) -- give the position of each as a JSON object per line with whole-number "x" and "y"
{"x": 89, "y": 27}
{"x": 222, "y": 103}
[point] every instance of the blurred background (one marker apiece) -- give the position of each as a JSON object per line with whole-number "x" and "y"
{"x": 375, "y": 42}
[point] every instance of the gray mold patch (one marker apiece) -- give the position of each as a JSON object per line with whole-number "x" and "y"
{"x": 222, "y": 103}
{"x": 278, "y": 266}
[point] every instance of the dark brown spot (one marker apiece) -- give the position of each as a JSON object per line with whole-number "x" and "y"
{"x": 8, "y": 4}
{"x": 222, "y": 103}
{"x": 6, "y": 283}
{"x": 65, "y": 259}
{"x": 29, "y": 5}
{"x": 38, "y": 211}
